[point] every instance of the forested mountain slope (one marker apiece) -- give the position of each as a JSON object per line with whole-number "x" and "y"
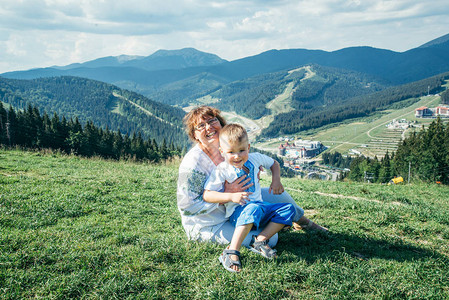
{"x": 309, "y": 87}
{"x": 103, "y": 104}
{"x": 360, "y": 106}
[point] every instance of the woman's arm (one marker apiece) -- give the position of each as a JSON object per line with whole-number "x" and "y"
{"x": 190, "y": 192}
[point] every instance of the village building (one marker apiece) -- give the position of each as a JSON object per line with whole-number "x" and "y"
{"x": 425, "y": 112}
{"x": 301, "y": 149}
{"x": 399, "y": 124}
{"x": 442, "y": 111}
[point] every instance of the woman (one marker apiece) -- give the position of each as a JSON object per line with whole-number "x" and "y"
{"x": 205, "y": 221}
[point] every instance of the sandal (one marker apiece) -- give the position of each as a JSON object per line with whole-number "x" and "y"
{"x": 228, "y": 262}
{"x": 262, "y": 248}
{"x": 311, "y": 226}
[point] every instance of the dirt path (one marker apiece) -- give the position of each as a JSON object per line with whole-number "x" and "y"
{"x": 339, "y": 196}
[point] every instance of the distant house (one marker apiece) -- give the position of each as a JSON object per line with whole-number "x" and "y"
{"x": 422, "y": 112}
{"x": 442, "y": 111}
{"x": 425, "y": 112}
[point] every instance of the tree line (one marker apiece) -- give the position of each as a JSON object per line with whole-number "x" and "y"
{"x": 30, "y": 129}
{"x": 336, "y": 159}
{"x": 423, "y": 156}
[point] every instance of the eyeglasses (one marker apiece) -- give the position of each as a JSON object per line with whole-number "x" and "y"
{"x": 202, "y": 126}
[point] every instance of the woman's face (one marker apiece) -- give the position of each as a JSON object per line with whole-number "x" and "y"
{"x": 207, "y": 131}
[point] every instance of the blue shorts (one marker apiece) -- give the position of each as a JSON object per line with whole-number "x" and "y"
{"x": 261, "y": 213}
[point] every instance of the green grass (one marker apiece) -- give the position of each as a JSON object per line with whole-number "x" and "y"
{"x": 96, "y": 229}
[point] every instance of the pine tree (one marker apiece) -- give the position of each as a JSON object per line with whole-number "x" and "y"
{"x": 118, "y": 145}
{"x": 76, "y": 141}
{"x": 3, "y": 120}
{"x": 385, "y": 169}
{"x": 356, "y": 173}
{"x": 44, "y": 134}
{"x": 163, "y": 150}
{"x": 92, "y": 139}
{"x": 11, "y": 126}
{"x": 107, "y": 143}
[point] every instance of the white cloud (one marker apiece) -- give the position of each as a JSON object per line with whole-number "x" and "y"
{"x": 39, "y": 33}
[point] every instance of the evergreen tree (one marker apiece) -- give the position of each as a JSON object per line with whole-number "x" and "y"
{"x": 356, "y": 173}
{"x": 373, "y": 169}
{"x": 11, "y": 126}
{"x": 76, "y": 141}
{"x": 385, "y": 169}
{"x": 44, "y": 134}
{"x": 3, "y": 120}
{"x": 164, "y": 151}
{"x": 118, "y": 145}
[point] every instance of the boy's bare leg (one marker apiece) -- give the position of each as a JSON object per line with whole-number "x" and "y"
{"x": 239, "y": 235}
{"x": 270, "y": 230}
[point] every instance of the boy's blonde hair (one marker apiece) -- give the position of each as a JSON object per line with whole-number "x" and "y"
{"x": 233, "y": 133}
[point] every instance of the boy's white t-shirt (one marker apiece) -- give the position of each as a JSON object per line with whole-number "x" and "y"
{"x": 225, "y": 172}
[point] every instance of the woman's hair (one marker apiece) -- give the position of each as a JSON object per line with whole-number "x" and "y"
{"x": 193, "y": 118}
{"x": 233, "y": 133}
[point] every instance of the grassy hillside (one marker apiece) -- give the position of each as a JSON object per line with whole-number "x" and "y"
{"x": 78, "y": 228}
{"x": 370, "y": 135}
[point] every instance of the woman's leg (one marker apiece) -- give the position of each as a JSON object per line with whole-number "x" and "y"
{"x": 283, "y": 198}
{"x": 225, "y": 233}
{"x": 299, "y": 220}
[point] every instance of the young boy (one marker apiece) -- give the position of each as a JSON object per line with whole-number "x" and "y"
{"x": 246, "y": 209}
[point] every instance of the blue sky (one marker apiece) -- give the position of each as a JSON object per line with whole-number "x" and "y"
{"x": 41, "y": 33}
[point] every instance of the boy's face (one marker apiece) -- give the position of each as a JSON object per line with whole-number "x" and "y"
{"x": 235, "y": 154}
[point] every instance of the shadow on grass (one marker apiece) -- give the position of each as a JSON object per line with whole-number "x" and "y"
{"x": 313, "y": 246}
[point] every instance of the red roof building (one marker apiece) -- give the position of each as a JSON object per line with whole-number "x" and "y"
{"x": 442, "y": 111}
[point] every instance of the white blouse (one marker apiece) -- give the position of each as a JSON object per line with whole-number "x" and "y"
{"x": 200, "y": 219}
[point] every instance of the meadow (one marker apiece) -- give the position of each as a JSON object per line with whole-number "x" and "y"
{"x": 95, "y": 229}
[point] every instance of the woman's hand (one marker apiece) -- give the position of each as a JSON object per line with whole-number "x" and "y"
{"x": 240, "y": 198}
{"x": 239, "y": 185}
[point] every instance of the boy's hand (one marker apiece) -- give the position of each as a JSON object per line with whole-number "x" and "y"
{"x": 240, "y": 198}
{"x": 276, "y": 187}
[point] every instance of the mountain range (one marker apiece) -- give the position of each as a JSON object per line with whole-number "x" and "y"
{"x": 152, "y": 74}
{"x": 310, "y": 80}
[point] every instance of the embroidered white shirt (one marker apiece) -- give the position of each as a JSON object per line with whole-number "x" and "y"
{"x": 200, "y": 219}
